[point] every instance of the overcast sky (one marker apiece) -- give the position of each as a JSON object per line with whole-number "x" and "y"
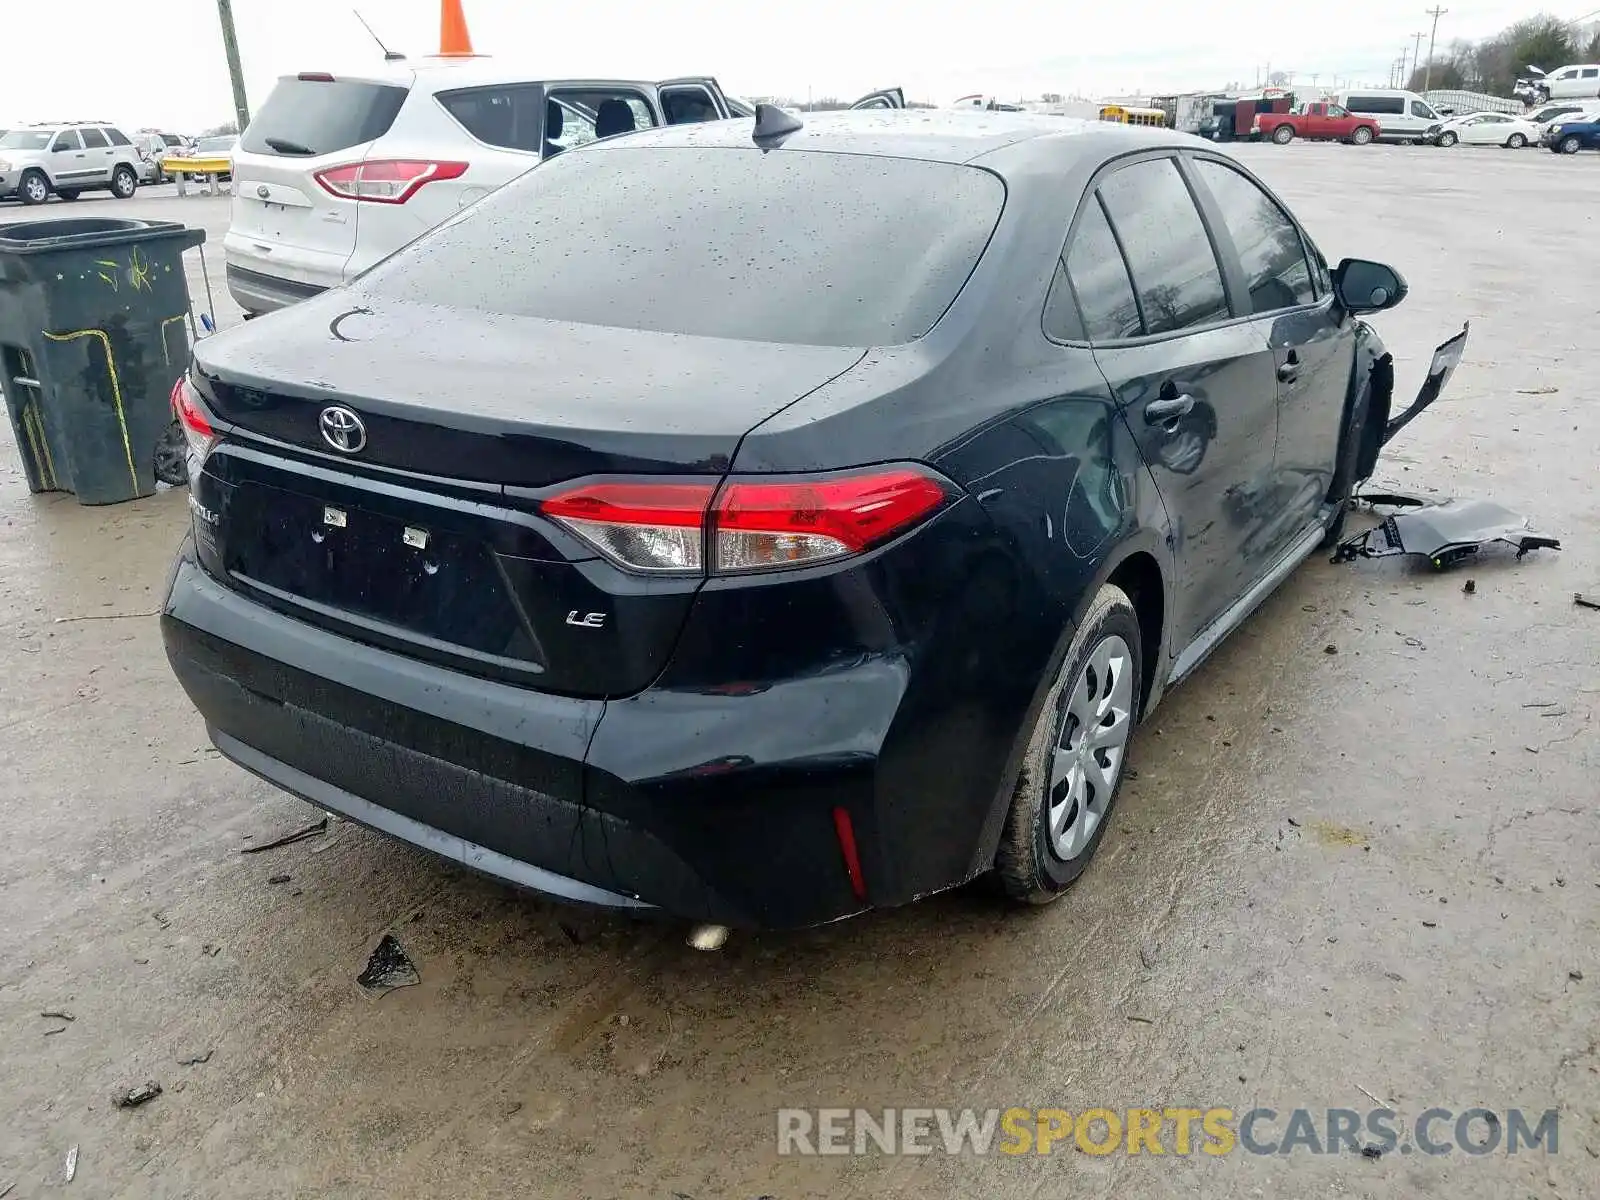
{"x": 119, "y": 60}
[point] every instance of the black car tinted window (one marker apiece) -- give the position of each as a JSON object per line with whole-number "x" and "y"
{"x": 506, "y": 116}
{"x": 1268, "y": 242}
{"x": 1100, "y": 279}
{"x": 1175, "y": 271}
{"x": 827, "y": 249}
{"x": 319, "y": 116}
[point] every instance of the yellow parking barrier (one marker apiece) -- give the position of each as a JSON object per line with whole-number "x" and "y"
{"x": 207, "y": 168}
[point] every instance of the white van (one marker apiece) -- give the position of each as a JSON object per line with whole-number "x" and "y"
{"x": 1402, "y": 116}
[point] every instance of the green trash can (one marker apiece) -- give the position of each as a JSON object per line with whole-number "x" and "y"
{"x": 94, "y": 316}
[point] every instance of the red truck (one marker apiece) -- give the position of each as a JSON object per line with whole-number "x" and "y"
{"x": 1316, "y": 122}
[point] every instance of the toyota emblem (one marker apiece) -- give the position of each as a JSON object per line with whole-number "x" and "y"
{"x": 342, "y": 429}
{"x": 263, "y": 191}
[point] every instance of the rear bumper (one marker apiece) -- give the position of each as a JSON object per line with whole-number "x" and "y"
{"x": 256, "y": 292}
{"x": 521, "y": 785}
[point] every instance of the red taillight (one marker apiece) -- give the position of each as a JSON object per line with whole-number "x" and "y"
{"x": 386, "y": 181}
{"x": 197, "y": 430}
{"x": 752, "y": 524}
{"x": 646, "y": 526}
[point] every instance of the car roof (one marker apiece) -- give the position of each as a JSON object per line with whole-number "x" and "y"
{"x": 437, "y": 72}
{"x": 936, "y": 135}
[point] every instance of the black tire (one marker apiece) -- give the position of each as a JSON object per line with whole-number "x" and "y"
{"x": 124, "y": 182}
{"x": 1361, "y": 136}
{"x": 33, "y": 187}
{"x": 1516, "y": 142}
{"x": 1569, "y": 145}
{"x": 172, "y": 456}
{"x": 1447, "y": 139}
{"x": 1027, "y": 865}
{"x": 1283, "y": 134}
{"x": 68, "y": 193}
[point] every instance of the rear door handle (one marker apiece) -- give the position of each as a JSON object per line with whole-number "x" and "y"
{"x": 1168, "y": 409}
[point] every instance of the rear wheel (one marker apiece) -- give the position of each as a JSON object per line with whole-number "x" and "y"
{"x": 34, "y": 188}
{"x": 1073, "y": 764}
{"x": 1516, "y": 142}
{"x": 1361, "y": 136}
{"x": 124, "y": 182}
{"x": 1283, "y": 134}
{"x": 1569, "y": 144}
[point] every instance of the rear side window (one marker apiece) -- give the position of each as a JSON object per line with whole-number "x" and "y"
{"x": 1175, "y": 270}
{"x": 1376, "y": 105}
{"x": 305, "y": 117}
{"x": 799, "y": 247}
{"x": 1268, "y": 242}
{"x": 498, "y": 116}
{"x": 93, "y": 139}
{"x": 1100, "y": 279}
{"x": 117, "y": 138}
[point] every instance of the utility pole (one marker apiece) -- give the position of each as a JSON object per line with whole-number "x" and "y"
{"x": 1427, "y": 74}
{"x": 1416, "y": 57}
{"x": 230, "y": 46}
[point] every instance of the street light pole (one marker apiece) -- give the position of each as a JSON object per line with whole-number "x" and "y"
{"x": 230, "y": 47}
{"x": 1427, "y": 75}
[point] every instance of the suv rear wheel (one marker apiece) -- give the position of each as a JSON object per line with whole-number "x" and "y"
{"x": 124, "y": 182}
{"x": 34, "y": 188}
{"x": 1072, "y": 768}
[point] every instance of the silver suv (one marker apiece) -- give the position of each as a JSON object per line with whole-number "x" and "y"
{"x": 67, "y": 158}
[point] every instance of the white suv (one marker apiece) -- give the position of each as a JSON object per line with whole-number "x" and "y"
{"x": 335, "y": 173}
{"x": 67, "y": 158}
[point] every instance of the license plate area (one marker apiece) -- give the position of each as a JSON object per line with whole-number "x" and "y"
{"x": 408, "y": 575}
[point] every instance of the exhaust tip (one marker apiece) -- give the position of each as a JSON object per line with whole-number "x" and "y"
{"x": 708, "y": 937}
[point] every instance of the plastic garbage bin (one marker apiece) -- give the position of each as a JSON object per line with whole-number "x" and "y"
{"x": 93, "y": 334}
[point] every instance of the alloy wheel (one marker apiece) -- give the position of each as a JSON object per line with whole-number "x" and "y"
{"x": 1090, "y": 747}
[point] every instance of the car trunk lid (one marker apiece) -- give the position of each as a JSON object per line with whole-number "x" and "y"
{"x": 427, "y": 538}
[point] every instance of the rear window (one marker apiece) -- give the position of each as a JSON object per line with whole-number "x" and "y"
{"x": 305, "y": 117}
{"x": 793, "y": 246}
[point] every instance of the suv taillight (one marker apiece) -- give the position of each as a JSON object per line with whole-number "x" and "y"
{"x": 748, "y": 524}
{"x": 387, "y": 180}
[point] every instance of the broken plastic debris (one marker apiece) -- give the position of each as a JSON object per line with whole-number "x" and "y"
{"x": 1444, "y": 533}
{"x": 298, "y": 835}
{"x": 388, "y": 968}
{"x": 71, "y": 1170}
{"x": 141, "y": 1094}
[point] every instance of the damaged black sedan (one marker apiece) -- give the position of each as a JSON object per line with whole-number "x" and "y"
{"x": 765, "y": 525}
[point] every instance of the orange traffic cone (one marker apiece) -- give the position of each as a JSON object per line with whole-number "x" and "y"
{"x": 454, "y": 40}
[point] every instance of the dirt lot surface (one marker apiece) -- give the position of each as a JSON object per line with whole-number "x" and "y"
{"x": 1337, "y": 878}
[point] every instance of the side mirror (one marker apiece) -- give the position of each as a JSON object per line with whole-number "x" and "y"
{"x": 1364, "y": 286}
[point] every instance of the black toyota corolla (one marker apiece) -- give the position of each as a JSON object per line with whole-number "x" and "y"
{"x": 766, "y": 524}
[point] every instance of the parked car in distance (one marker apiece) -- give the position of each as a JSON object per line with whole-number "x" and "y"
{"x": 1543, "y": 116}
{"x": 67, "y": 159}
{"x": 1402, "y": 116}
{"x": 1486, "y": 129}
{"x": 1571, "y": 134}
{"x": 337, "y": 172}
{"x": 762, "y": 523}
{"x": 153, "y": 146}
{"x": 1580, "y": 81}
{"x": 1316, "y": 122}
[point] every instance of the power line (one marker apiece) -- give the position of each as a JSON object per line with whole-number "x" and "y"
{"x": 1427, "y": 75}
